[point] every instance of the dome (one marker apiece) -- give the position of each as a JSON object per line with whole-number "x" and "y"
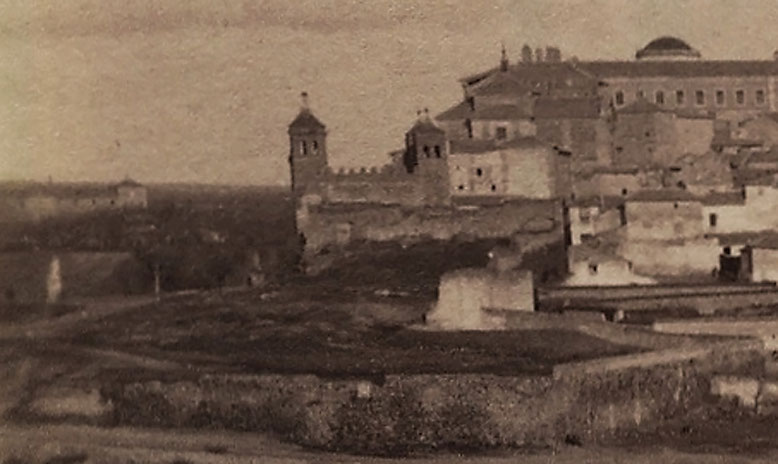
{"x": 667, "y": 48}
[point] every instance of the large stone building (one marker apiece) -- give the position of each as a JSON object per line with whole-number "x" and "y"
{"x": 652, "y": 109}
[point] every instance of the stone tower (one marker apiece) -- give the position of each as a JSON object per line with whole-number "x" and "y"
{"x": 426, "y": 157}
{"x": 307, "y": 150}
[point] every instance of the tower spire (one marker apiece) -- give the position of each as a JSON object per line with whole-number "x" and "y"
{"x": 503, "y": 58}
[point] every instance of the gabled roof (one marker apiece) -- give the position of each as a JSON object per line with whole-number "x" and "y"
{"x": 425, "y": 125}
{"x": 681, "y": 69}
{"x": 306, "y": 121}
{"x": 492, "y": 112}
{"x": 663, "y": 195}
{"x": 567, "y": 108}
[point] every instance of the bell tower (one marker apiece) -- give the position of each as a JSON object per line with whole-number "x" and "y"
{"x": 307, "y": 149}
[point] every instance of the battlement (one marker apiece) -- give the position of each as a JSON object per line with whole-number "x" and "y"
{"x": 364, "y": 173}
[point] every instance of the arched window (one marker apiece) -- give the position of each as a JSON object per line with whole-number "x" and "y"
{"x": 659, "y": 97}
{"x": 303, "y": 147}
{"x": 426, "y": 151}
{"x": 315, "y": 147}
{"x": 437, "y": 151}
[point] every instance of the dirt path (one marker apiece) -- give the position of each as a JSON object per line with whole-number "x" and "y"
{"x": 94, "y": 309}
{"x": 96, "y": 445}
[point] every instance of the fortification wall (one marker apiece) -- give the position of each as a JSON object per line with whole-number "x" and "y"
{"x": 331, "y": 225}
{"x": 401, "y": 413}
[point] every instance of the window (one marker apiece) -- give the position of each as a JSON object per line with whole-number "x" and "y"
{"x": 471, "y": 103}
{"x": 494, "y": 188}
{"x": 624, "y": 192}
{"x": 640, "y": 94}
{"x": 501, "y": 133}
{"x": 659, "y": 97}
{"x": 713, "y": 219}
{"x": 680, "y": 97}
{"x": 461, "y": 187}
{"x": 437, "y": 151}
{"x": 720, "y": 97}
{"x": 315, "y": 147}
{"x": 759, "y": 97}
{"x": 740, "y": 97}
{"x": 699, "y": 97}
{"x": 479, "y": 172}
{"x": 727, "y": 250}
{"x": 303, "y": 147}
{"x": 675, "y": 205}
{"x": 592, "y": 269}
{"x": 426, "y": 151}
{"x": 619, "y": 98}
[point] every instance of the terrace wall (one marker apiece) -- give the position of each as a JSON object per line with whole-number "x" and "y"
{"x": 401, "y": 413}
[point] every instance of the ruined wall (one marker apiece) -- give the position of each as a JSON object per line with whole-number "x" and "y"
{"x": 325, "y": 225}
{"x": 464, "y": 294}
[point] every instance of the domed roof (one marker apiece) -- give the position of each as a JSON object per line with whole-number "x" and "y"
{"x": 667, "y": 43}
{"x": 667, "y": 46}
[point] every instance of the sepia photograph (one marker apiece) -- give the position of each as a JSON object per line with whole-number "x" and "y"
{"x": 388, "y": 231}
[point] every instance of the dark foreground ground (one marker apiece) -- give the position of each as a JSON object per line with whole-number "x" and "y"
{"x": 305, "y": 329}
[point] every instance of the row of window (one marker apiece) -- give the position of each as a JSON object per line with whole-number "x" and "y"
{"x": 700, "y": 97}
{"x": 304, "y": 147}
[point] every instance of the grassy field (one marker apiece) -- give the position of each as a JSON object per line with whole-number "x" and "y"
{"x": 294, "y": 332}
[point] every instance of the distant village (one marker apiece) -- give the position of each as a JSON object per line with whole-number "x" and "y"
{"x": 662, "y": 166}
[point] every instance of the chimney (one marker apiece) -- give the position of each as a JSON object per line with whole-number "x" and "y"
{"x": 539, "y": 54}
{"x": 553, "y": 55}
{"x": 526, "y": 54}
{"x": 304, "y": 101}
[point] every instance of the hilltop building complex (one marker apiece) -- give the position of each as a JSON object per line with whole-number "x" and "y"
{"x": 666, "y": 149}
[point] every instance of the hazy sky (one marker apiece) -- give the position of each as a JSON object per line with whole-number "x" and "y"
{"x": 202, "y": 91}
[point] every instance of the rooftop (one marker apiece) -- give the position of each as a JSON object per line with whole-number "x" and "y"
{"x": 305, "y": 120}
{"x": 667, "y": 47}
{"x": 475, "y": 146}
{"x": 567, "y": 108}
{"x": 492, "y": 112}
{"x": 663, "y": 195}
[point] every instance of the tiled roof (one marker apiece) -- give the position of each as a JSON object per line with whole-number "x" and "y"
{"x": 501, "y": 83}
{"x": 767, "y": 239}
{"x": 691, "y": 68}
{"x": 567, "y": 108}
{"x": 662, "y": 196}
{"x": 475, "y": 146}
{"x": 604, "y": 202}
{"x": 723, "y": 198}
{"x": 425, "y": 125}
{"x": 493, "y": 112}
{"x": 307, "y": 121}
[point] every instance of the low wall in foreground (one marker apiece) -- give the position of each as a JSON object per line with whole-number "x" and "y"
{"x": 402, "y": 413}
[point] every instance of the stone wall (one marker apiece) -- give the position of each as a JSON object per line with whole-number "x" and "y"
{"x": 464, "y": 294}
{"x": 403, "y": 413}
{"x": 665, "y": 258}
{"x": 333, "y": 225}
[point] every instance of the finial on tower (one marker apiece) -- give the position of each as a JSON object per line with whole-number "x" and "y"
{"x": 304, "y": 101}
{"x": 503, "y": 57}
